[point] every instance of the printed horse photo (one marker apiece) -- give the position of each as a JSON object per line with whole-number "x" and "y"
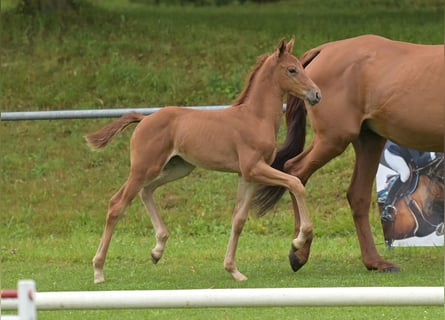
{"x": 170, "y": 143}
{"x": 374, "y": 89}
{"x": 421, "y": 212}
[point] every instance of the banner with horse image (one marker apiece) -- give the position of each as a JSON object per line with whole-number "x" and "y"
{"x": 410, "y": 192}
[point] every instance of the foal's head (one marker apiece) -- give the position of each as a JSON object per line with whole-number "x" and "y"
{"x": 290, "y": 75}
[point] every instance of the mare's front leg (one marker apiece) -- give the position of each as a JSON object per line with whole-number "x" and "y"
{"x": 367, "y": 149}
{"x": 244, "y": 197}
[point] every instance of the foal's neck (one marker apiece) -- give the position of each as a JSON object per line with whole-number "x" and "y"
{"x": 265, "y": 98}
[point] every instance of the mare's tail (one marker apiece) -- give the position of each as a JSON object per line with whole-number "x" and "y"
{"x": 266, "y": 197}
{"x": 101, "y": 138}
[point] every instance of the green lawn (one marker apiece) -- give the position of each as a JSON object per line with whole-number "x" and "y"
{"x": 114, "y": 54}
{"x": 194, "y": 262}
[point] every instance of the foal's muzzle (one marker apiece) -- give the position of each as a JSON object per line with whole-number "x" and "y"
{"x": 313, "y": 96}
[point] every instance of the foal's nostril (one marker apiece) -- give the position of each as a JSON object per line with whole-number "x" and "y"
{"x": 314, "y": 98}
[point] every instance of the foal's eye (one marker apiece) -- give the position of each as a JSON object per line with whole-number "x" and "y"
{"x": 292, "y": 70}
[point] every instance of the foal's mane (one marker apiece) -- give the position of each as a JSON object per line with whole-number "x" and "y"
{"x": 244, "y": 94}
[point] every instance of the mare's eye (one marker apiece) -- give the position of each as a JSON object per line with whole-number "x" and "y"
{"x": 292, "y": 70}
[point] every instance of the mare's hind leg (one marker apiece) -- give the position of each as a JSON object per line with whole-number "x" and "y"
{"x": 367, "y": 149}
{"x": 244, "y": 197}
{"x": 175, "y": 169}
{"x": 116, "y": 208}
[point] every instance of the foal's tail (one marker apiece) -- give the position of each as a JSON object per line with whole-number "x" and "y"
{"x": 101, "y": 138}
{"x": 266, "y": 197}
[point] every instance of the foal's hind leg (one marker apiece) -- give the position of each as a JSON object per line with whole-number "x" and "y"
{"x": 175, "y": 169}
{"x": 116, "y": 208}
{"x": 243, "y": 199}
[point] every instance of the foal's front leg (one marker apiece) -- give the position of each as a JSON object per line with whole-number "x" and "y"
{"x": 264, "y": 174}
{"x": 175, "y": 168}
{"x": 303, "y": 166}
{"x": 243, "y": 199}
{"x": 299, "y": 253}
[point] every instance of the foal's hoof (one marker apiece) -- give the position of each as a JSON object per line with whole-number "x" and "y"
{"x": 295, "y": 262}
{"x": 155, "y": 259}
{"x": 98, "y": 277}
{"x": 238, "y": 276}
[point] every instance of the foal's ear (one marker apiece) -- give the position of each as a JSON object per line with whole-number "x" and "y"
{"x": 281, "y": 48}
{"x": 290, "y": 45}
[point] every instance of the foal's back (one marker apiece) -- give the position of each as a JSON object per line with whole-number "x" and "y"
{"x": 203, "y": 138}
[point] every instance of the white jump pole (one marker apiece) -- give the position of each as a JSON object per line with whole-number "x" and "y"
{"x": 264, "y": 297}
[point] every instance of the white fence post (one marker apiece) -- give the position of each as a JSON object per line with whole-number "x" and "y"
{"x": 22, "y": 299}
{"x": 27, "y": 306}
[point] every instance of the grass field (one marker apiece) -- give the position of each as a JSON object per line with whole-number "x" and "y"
{"x": 113, "y": 54}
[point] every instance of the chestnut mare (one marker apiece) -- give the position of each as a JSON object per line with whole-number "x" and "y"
{"x": 374, "y": 89}
{"x": 421, "y": 212}
{"x": 169, "y": 144}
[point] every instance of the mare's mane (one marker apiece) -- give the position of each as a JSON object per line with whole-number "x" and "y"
{"x": 245, "y": 93}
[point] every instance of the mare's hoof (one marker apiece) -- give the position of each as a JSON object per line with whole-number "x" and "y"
{"x": 295, "y": 262}
{"x": 391, "y": 269}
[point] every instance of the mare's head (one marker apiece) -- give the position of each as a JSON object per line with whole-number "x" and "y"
{"x": 291, "y": 76}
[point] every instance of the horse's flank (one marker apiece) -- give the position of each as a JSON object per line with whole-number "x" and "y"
{"x": 395, "y": 88}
